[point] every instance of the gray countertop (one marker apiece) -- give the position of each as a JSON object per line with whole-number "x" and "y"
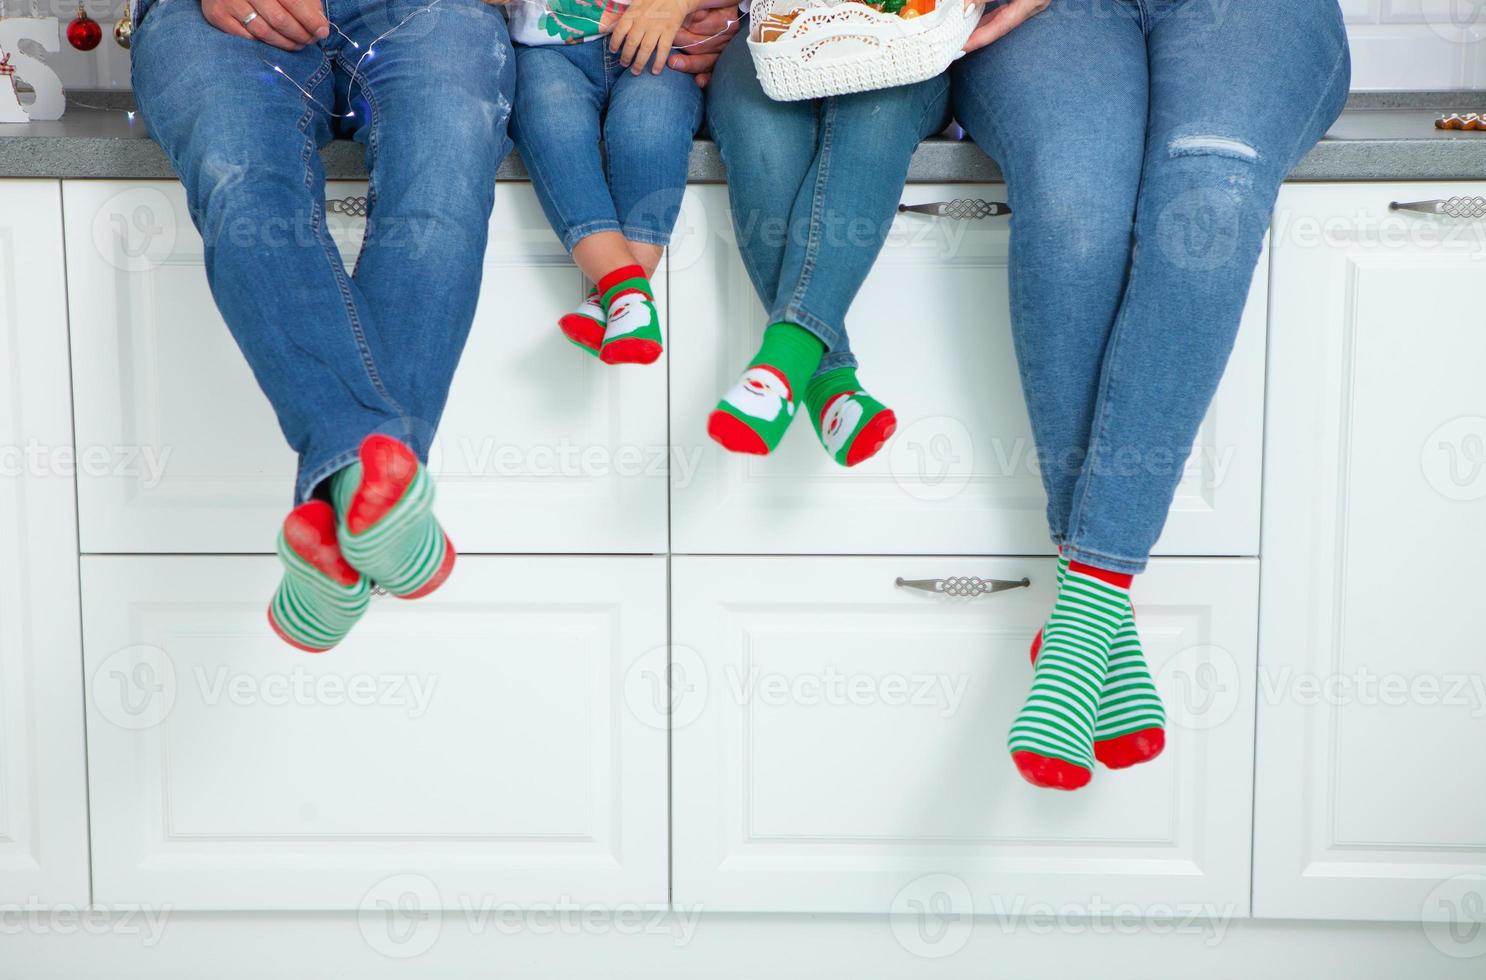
{"x": 1382, "y": 136}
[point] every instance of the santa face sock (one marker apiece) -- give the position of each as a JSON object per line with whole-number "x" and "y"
{"x": 753, "y": 416}
{"x": 851, "y": 424}
{"x": 1131, "y": 723}
{"x": 584, "y": 327}
{"x": 631, "y": 323}
{"x": 1052, "y": 738}
{"x": 320, "y": 596}
{"x": 387, "y": 529}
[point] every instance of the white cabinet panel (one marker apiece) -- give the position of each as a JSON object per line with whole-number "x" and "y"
{"x": 1372, "y": 711}
{"x": 540, "y": 447}
{"x": 839, "y": 742}
{"x": 932, "y": 330}
{"x": 43, "y": 806}
{"x": 477, "y": 739}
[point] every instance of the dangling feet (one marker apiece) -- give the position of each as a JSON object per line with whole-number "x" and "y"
{"x": 851, "y": 424}
{"x": 631, "y": 323}
{"x": 387, "y": 529}
{"x": 584, "y": 327}
{"x": 753, "y": 415}
{"x": 1131, "y": 724}
{"x": 1052, "y": 738}
{"x": 320, "y": 596}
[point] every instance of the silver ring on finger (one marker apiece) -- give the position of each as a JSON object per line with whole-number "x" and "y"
{"x": 252, "y": 15}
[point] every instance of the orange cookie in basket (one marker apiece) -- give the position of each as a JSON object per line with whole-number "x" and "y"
{"x": 774, "y": 26}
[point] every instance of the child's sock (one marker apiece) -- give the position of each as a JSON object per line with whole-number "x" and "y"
{"x": 388, "y": 532}
{"x": 631, "y": 323}
{"x": 1052, "y": 738}
{"x": 1131, "y": 726}
{"x": 851, "y": 424}
{"x": 320, "y": 597}
{"x": 585, "y": 325}
{"x": 752, "y": 417}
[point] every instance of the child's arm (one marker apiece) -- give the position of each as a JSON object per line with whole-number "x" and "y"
{"x": 645, "y": 31}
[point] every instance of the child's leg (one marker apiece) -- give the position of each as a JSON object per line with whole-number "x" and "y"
{"x": 560, "y": 95}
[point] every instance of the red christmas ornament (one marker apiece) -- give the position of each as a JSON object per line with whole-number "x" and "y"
{"x": 83, "y": 32}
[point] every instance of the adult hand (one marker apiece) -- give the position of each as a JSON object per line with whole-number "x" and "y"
{"x": 701, "y": 39}
{"x": 287, "y": 24}
{"x": 996, "y": 24}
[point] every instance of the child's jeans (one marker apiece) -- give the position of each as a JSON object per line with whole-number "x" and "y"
{"x": 565, "y": 93}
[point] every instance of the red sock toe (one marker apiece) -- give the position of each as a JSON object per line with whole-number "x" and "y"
{"x": 387, "y": 469}
{"x": 1131, "y": 749}
{"x": 309, "y": 531}
{"x": 872, "y": 437}
{"x": 446, "y": 567}
{"x": 630, "y": 350}
{"x": 582, "y": 330}
{"x": 1036, "y": 646}
{"x": 733, "y": 434}
{"x": 1040, "y": 770}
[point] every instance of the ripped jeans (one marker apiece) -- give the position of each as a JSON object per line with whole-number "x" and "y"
{"x": 1143, "y": 143}
{"x": 340, "y": 355}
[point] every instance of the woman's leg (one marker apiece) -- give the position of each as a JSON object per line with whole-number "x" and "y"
{"x": 1226, "y": 127}
{"x": 1072, "y": 181}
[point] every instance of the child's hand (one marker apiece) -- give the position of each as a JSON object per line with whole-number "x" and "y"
{"x": 646, "y": 31}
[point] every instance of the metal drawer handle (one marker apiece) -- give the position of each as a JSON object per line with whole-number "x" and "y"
{"x": 962, "y": 586}
{"x": 1455, "y": 207}
{"x": 352, "y": 206}
{"x": 960, "y": 207}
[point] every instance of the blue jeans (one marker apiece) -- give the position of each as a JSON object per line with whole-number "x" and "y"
{"x": 814, "y": 186}
{"x": 339, "y": 355}
{"x": 566, "y": 94}
{"x": 1143, "y": 143}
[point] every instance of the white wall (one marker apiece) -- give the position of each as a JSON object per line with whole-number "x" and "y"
{"x": 1396, "y": 44}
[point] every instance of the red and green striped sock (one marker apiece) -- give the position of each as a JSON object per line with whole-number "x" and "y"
{"x": 851, "y": 424}
{"x": 753, "y": 416}
{"x": 631, "y": 322}
{"x": 320, "y": 596}
{"x": 387, "y": 529}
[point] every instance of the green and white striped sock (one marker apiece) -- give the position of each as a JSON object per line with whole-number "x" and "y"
{"x": 1131, "y": 724}
{"x": 1052, "y": 738}
{"x": 387, "y": 529}
{"x": 320, "y": 596}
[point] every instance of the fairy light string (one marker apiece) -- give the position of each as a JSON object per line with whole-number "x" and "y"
{"x": 355, "y": 78}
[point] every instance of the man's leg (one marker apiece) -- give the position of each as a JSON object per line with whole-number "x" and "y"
{"x": 244, "y": 140}
{"x": 431, "y": 107}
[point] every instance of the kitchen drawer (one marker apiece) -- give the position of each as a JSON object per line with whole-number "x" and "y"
{"x": 932, "y": 330}
{"x": 839, "y": 743}
{"x": 540, "y": 446}
{"x": 471, "y": 748}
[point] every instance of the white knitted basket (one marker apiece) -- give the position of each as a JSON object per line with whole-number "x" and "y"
{"x": 835, "y": 48}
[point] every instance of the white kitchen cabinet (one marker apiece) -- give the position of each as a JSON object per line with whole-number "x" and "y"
{"x": 472, "y": 748}
{"x": 932, "y": 330}
{"x": 43, "y": 803}
{"x": 1370, "y": 790}
{"x": 540, "y": 447}
{"x": 839, "y": 743}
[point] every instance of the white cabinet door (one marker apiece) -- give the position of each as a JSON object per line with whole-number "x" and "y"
{"x": 1371, "y": 795}
{"x": 540, "y": 447}
{"x": 839, "y": 744}
{"x": 43, "y": 806}
{"x": 932, "y": 330}
{"x": 473, "y": 748}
